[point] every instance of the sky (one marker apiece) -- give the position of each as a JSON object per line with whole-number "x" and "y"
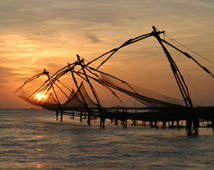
{"x": 38, "y": 34}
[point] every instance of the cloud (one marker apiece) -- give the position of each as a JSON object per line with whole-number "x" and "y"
{"x": 5, "y": 73}
{"x": 70, "y": 14}
{"x": 93, "y": 38}
{"x": 9, "y": 73}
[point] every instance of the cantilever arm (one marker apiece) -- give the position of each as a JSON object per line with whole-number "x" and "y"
{"x": 130, "y": 41}
{"x": 29, "y": 80}
{"x": 189, "y": 56}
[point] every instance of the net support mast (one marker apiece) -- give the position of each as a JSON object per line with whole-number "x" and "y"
{"x": 192, "y": 116}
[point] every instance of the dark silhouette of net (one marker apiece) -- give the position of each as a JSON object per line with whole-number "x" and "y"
{"x": 145, "y": 96}
{"x": 97, "y": 89}
{"x": 75, "y": 100}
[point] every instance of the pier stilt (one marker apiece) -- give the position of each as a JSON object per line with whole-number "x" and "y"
{"x": 213, "y": 125}
{"x": 89, "y": 118}
{"x": 57, "y": 113}
{"x": 72, "y": 115}
{"x": 124, "y": 123}
{"x": 195, "y": 126}
{"x": 178, "y": 125}
{"x": 134, "y": 123}
{"x": 81, "y": 116}
{"x": 156, "y": 124}
{"x": 189, "y": 127}
{"x": 172, "y": 123}
{"x": 151, "y": 124}
{"x": 116, "y": 121}
{"x": 144, "y": 123}
{"x": 102, "y": 122}
{"x": 85, "y": 113}
{"x": 164, "y": 124}
{"x": 192, "y": 121}
{"x": 61, "y": 116}
{"x": 169, "y": 124}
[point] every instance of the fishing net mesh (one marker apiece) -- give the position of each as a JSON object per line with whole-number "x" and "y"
{"x": 89, "y": 89}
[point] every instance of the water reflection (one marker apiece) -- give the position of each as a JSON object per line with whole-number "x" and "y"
{"x": 39, "y": 165}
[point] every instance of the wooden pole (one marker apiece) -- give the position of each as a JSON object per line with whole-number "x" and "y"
{"x": 89, "y": 117}
{"x": 156, "y": 123}
{"x": 57, "y": 114}
{"x": 102, "y": 121}
{"x": 213, "y": 125}
{"x": 192, "y": 116}
{"x": 172, "y": 123}
{"x": 81, "y": 116}
{"x": 164, "y": 124}
{"x": 178, "y": 125}
{"x": 61, "y": 115}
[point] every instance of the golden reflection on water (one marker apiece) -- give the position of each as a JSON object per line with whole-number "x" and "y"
{"x": 39, "y": 152}
{"x": 39, "y": 165}
{"x": 39, "y": 136}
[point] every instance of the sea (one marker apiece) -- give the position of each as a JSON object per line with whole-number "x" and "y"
{"x": 32, "y": 139}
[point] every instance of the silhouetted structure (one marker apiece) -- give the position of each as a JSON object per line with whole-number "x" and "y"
{"x": 89, "y": 92}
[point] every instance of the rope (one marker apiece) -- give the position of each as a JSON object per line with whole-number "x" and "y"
{"x": 189, "y": 49}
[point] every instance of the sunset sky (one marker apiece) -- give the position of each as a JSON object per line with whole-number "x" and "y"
{"x": 38, "y": 34}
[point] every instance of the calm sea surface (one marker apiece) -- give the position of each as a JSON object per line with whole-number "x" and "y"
{"x": 32, "y": 139}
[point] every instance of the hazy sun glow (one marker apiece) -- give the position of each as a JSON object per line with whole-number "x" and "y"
{"x": 40, "y": 96}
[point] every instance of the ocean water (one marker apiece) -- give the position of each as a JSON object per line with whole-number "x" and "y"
{"x": 32, "y": 139}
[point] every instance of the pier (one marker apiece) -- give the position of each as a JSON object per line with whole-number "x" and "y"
{"x": 150, "y": 117}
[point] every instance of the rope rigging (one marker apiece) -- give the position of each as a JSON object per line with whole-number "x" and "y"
{"x": 172, "y": 39}
{"x": 81, "y": 70}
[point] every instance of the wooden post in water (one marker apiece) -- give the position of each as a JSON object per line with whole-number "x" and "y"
{"x": 61, "y": 115}
{"x": 57, "y": 114}
{"x": 126, "y": 123}
{"x": 102, "y": 120}
{"x": 72, "y": 115}
{"x": 134, "y": 122}
{"x": 172, "y": 123}
{"x": 169, "y": 124}
{"x": 89, "y": 117}
{"x": 213, "y": 125}
{"x": 123, "y": 123}
{"x": 116, "y": 120}
{"x": 144, "y": 123}
{"x": 150, "y": 124}
{"x": 124, "y": 118}
{"x": 85, "y": 113}
{"x": 164, "y": 124}
{"x": 178, "y": 125}
{"x": 156, "y": 124}
{"x": 116, "y": 117}
{"x": 81, "y": 116}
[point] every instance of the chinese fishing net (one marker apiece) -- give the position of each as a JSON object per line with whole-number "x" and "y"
{"x": 78, "y": 86}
